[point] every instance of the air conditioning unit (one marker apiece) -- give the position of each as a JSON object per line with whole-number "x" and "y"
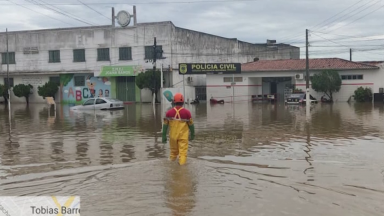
{"x": 189, "y": 79}
{"x": 299, "y": 76}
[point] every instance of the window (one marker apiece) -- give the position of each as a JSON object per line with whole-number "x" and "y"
{"x": 352, "y": 77}
{"x": 125, "y": 53}
{"x": 229, "y": 79}
{"x": 10, "y": 82}
{"x": 79, "y": 80}
{"x": 149, "y": 52}
{"x": 238, "y": 79}
{"x": 54, "y": 56}
{"x": 79, "y": 55}
{"x": 103, "y": 54}
{"x": 11, "y": 58}
{"x": 89, "y": 102}
{"x": 100, "y": 101}
{"x": 55, "y": 80}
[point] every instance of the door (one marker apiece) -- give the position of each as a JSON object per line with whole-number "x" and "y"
{"x": 273, "y": 88}
{"x": 100, "y": 104}
{"x": 201, "y": 93}
{"x": 126, "y": 88}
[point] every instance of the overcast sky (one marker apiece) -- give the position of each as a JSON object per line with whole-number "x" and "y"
{"x": 335, "y": 25}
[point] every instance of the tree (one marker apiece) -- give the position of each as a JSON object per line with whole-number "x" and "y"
{"x": 4, "y": 93}
{"x": 49, "y": 89}
{"x": 64, "y": 80}
{"x": 22, "y": 90}
{"x": 327, "y": 81}
{"x": 145, "y": 80}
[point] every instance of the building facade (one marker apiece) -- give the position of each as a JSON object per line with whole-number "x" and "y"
{"x": 104, "y": 60}
{"x": 281, "y": 77}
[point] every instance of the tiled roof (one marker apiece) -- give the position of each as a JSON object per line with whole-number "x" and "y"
{"x": 371, "y": 62}
{"x": 299, "y": 64}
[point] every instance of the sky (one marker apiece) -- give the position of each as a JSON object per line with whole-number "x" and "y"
{"x": 334, "y": 27}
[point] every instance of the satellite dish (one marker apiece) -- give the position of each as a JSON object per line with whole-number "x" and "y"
{"x": 123, "y": 18}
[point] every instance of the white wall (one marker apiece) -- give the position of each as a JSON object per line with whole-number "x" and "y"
{"x": 218, "y": 89}
{"x": 373, "y": 79}
{"x": 35, "y": 81}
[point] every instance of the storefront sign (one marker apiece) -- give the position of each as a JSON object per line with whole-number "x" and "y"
{"x": 113, "y": 71}
{"x": 210, "y": 68}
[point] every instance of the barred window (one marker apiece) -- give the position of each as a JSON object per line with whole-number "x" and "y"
{"x": 79, "y": 55}
{"x": 103, "y": 54}
{"x": 125, "y": 53}
{"x": 11, "y": 58}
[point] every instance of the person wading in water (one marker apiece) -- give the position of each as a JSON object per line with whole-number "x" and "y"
{"x": 179, "y": 120}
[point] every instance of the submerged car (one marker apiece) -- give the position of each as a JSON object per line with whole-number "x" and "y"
{"x": 100, "y": 103}
{"x": 299, "y": 98}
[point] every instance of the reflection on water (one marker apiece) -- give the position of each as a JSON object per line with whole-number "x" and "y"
{"x": 247, "y": 159}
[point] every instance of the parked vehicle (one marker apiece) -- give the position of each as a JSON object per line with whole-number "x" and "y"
{"x": 299, "y": 98}
{"x": 100, "y": 103}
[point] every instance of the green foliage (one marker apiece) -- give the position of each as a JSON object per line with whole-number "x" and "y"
{"x": 65, "y": 78}
{"x": 327, "y": 82}
{"x": 4, "y": 92}
{"x": 3, "y": 89}
{"x": 22, "y": 90}
{"x": 363, "y": 94}
{"x": 49, "y": 89}
{"x": 145, "y": 81}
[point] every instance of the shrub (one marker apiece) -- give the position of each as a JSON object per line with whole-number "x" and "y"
{"x": 363, "y": 94}
{"x": 22, "y": 90}
{"x": 49, "y": 89}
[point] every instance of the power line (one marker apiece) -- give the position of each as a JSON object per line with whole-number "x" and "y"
{"x": 359, "y": 18}
{"x": 58, "y": 11}
{"x": 339, "y": 19}
{"x": 300, "y": 35}
{"x": 38, "y": 12}
{"x": 313, "y": 27}
{"x": 94, "y": 10}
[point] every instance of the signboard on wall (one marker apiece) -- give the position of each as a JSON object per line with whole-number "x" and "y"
{"x": 114, "y": 71}
{"x": 209, "y": 68}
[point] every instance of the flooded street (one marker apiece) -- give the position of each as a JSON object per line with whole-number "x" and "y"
{"x": 247, "y": 159}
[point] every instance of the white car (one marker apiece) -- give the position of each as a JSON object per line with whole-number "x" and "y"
{"x": 100, "y": 103}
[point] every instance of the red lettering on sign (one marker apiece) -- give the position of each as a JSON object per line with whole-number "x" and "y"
{"x": 78, "y": 95}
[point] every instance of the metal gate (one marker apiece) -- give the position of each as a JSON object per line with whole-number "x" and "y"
{"x": 126, "y": 88}
{"x": 201, "y": 92}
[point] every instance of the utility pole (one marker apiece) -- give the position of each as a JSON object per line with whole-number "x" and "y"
{"x": 350, "y": 54}
{"x": 113, "y": 17}
{"x": 154, "y": 68}
{"x": 307, "y": 100}
{"x": 8, "y": 87}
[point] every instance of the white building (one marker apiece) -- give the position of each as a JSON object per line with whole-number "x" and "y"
{"x": 281, "y": 76}
{"x": 81, "y": 59}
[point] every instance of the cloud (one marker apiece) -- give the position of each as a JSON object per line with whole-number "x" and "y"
{"x": 107, "y": 83}
{"x": 78, "y": 88}
{"x": 66, "y": 91}
{"x": 251, "y": 21}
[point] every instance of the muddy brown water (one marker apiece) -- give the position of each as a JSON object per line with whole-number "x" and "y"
{"x": 247, "y": 159}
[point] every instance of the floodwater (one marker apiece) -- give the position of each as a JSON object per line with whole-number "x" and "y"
{"x": 247, "y": 159}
